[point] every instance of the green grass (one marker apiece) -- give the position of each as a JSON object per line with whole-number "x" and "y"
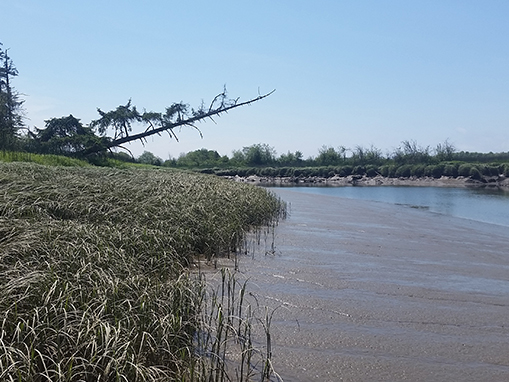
{"x": 94, "y": 283}
{"x": 44, "y": 159}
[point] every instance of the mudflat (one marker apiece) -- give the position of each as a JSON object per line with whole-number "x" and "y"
{"x": 367, "y": 291}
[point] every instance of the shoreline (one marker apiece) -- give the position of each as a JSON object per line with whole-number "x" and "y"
{"x": 358, "y": 180}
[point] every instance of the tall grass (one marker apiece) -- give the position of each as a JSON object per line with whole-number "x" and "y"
{"x": 94, "y": 283}
{"x": 44, "y": 159}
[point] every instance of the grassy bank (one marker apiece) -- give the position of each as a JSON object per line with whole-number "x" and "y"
{"x": 93, "y": 277}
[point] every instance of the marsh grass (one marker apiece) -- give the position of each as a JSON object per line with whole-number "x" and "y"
{"x": 95, "y": 282}
{"x": 44, "y": 159}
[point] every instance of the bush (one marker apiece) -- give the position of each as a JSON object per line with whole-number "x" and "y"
{"x": 344, "y": 170}
{"x": 268, "y": 171}
{"x": 464, "y": 169}
{"x": 251, "y": 171}
{"x": 359, "y": 170}
{"x": 437, "y": 171}
{"x": 475, "y": 173}
{"x": 389, "y": 171}
{"x": 434, "y": 171}
{"x": 491, "y": 170}
{"x": 285, "y": 171}
{"x": 451, "y": 170}
{"x": 372, "y": 171}
{"x": 418, "y": 170}
{"x": 404, "y": 171}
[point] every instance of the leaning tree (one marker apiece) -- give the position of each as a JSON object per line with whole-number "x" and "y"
{"x": 116, "y": 126}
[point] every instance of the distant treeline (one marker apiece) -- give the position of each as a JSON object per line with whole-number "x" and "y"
{"x": 409, "y": 159}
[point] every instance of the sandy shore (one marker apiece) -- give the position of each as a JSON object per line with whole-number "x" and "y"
{"x": 368, "y": 291}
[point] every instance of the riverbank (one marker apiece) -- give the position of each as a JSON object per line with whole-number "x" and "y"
{"x": 358, "y": 180}
{"x": 367, "y": 291}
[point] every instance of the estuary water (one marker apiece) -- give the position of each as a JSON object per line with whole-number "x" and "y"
{"x": 488, "y": 205}
{"x": 375, "y": 290}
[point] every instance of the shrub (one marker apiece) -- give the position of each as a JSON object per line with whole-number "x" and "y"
{"x": 251, "y": 171}
{"x": 491, "y": 170}
{"x": 434, "y": 171}
{"x": 388, "y": 171}
{"x": 359, "y": 170}
{"x": 268, "y": 171}
{"x": 344, "y": 170}
{"x": 437, "y": 171}
{"x": 464, "y": 169}
{"x": 285, "y": 171}
{"x": 475, "y": 173}
{"x": 418, "y": 170}
{"x": 451, "y": 170}
{"x": 372, "y": 171}
{"x": 404, "y": 171}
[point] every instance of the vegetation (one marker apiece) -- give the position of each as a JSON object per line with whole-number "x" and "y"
{"x": 94, "y": 283}
{"x": 408, "y": 160}
{"x": 11, "y": 105}
{"x": 114, "y": 128}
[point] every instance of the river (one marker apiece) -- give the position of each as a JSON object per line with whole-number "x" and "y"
{"x": 489, "y": 205}
{"x": 363, "y": 287}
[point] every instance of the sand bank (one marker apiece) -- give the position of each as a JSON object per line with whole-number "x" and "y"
{"x": 367, "y": 291}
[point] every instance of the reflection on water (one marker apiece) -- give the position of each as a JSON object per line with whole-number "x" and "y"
{"x": 490, "y": 205}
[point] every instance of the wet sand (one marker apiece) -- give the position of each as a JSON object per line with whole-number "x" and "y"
{"x": 367, "y": 291}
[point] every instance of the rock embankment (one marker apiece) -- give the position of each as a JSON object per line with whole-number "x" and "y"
{"x": 359, "y": 180}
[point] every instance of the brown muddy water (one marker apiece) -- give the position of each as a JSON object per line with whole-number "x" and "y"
{"x": 367, "y": 291}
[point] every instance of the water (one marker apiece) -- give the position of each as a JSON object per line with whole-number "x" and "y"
{"x": 480, "y": 204}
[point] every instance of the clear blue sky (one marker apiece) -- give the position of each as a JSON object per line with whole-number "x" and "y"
{"x": 346, "y": 73}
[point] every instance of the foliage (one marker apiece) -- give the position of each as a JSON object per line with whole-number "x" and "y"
{"x": 475, "y": 173}
{"x": 178, "y": 114}
{"x": 92, "y": 284}
{"x": 11, "y": 105}
{"x": 200, "y": 158}
{"x": 445, "y": 151}
{"x": 290, "y": 159}
{"x": 43, "y": 159}
{"x": 149, "y": 158}
{"x": 64, "y": 136}
{"x": 259, "y": 154}
{"x": 328, "y": 156}
{"x": 410, "y": 153}
{"x": 363, "y": 156}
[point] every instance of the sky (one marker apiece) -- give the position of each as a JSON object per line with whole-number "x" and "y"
{"x": 346, "y": 73}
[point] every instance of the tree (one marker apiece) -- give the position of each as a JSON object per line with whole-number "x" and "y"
{"x": 290, "y": 159}
{"x": 201, "y": 158}
{"x": 328, "y": 156}
{"x": 260, "y": 154}
{"x": 445, "y": 151}
{"x": 410, "y": 153}
{"x": 148, "y": 158}
{"x": 65, "y": 136}
{"x": 11, "y": 110}
{"x": 178, "y": 114}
